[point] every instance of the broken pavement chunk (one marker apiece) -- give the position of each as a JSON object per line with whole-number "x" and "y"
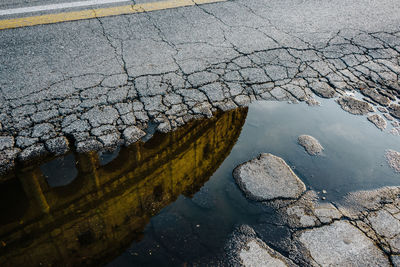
{"x": 268, "y": 177}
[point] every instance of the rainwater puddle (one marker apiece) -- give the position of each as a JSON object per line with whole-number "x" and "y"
{"x": 172, "y": 200}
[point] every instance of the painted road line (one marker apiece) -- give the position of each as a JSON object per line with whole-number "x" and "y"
{"x": 99, "y": 13}
{"x": 58, "y": 6}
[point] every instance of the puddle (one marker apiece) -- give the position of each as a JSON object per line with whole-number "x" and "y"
{"x": 95, "y": 217}
{"x": 172, "y": 200}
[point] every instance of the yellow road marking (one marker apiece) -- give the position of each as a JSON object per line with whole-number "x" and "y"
{"x": 99, "y": 13}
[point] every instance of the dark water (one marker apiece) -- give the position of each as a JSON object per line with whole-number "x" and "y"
{"x": 353, "y": 159}
{"x": 172, "y": 200}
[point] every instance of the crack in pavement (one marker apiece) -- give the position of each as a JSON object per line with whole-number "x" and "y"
{"x": 160, "y": 67}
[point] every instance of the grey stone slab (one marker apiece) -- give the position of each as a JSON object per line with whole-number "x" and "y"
{"x": 378, "y": 121}
{"x": 58, "y": 146}
{"x": 132, "y": 134}
{"x": 342, "y": 244}
{"x": 393, "y": 159}
{"x": 268, "y": 177}
{"x": 98, "y": 116}
{"x": 6, "y": 142}
{"x": 310, "y": 144}
{"x": 354, "y": 106}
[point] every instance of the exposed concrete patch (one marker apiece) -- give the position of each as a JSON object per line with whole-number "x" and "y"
{"x": 268, "y": 177}
{"x": 354, "y": 106}
{"x": 374, "y": 95}
{"x": 378, "y": 121}
{"x": 393, "y": 159}
{"x": 257, "y": 255}
{"x": 341, "y": 244}
{"x": 361, "y": 230}
{"x": 6, "y": 142}
{"x": 310, "y": 144}
{"x": 132, "y": 134}
{"x": 244, "y": 248}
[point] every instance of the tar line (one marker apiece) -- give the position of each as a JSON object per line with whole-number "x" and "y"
{"x": 91, "y": 13}
{"x": 30, "y": 9}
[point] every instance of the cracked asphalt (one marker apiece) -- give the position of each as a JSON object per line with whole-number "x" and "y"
{"x": 98, "y": 83}
{"x": 361, "y": 230}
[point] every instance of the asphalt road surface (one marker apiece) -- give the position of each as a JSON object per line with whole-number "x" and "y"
{"x": 89, "y": 84}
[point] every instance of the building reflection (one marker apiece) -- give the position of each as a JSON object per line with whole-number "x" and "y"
{"x": 96, "y": 217}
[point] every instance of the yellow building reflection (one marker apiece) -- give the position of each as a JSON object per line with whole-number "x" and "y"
{"x": 97, "y": 216}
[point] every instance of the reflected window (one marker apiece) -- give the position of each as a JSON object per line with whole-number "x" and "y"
{"x": 106, "y": 157}
{"x": 60, "y": 171}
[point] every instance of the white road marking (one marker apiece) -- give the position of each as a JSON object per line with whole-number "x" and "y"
{"x": 58, "y": 6}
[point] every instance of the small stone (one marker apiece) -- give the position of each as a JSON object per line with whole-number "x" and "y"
{"x": 244, "y": 248}
{"x": 76, "y": 126}
{"x": 43, "y": 131}
{"x": 242, "y": 100}
{"x": 58, "y": 146}
{"x": 374, "y": 95}
{"x": 88, "y": 145}
{"x": 310, "y": 144}
{"x": 257, "y": 254}
{"x": 23, "y": 142}
{"x": 393, "y": 159}
{"x": 203, "y": 108}
{"x": 164, "y": 127}
{"x": 172, "y": 99}
{"x": 382, "y": 109}
{"x": 303, "y": 217}
{"x": 44, "y": 115}
{"x": 132, "y": 134}
{"x": 395, "y": 131}
{"x": 268, "y": 177}
{"x": 354, "y": 106}
{"x": 32, "y": 152}
{"x": 388, "y": 116}
{"x": 110, "y": 140}
{"x": 324, "y": 192}
{"x": 201, "y": 78}
{"x": 213, "y": 91}
{"x": 6, "y": 142}
{"x": 123, "y": 108}
{"x": 323, "y": 89}
{"x": 7, "y": 158}
{"x": 278, "y": 93}
{"x": 312, "y": 102}
{"x": 394, "y": 110}
{"x": 98, "y": 116}
{"x": 379, "y": 122}
{"x": 226, "y": 105}
{"x": 128, "y": 119}
{"x": 103, "y": 130}
{"x": 326, "y": 212}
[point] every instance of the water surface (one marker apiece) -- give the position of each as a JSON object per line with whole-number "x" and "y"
{"x": 172, "y": 200}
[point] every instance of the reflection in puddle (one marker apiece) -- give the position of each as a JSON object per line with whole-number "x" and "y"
{"x": 155, "y": 204}
{"x": 106, "y": 157}
{"x": 49, "y": 217}
{"x": 60, "y": 171}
